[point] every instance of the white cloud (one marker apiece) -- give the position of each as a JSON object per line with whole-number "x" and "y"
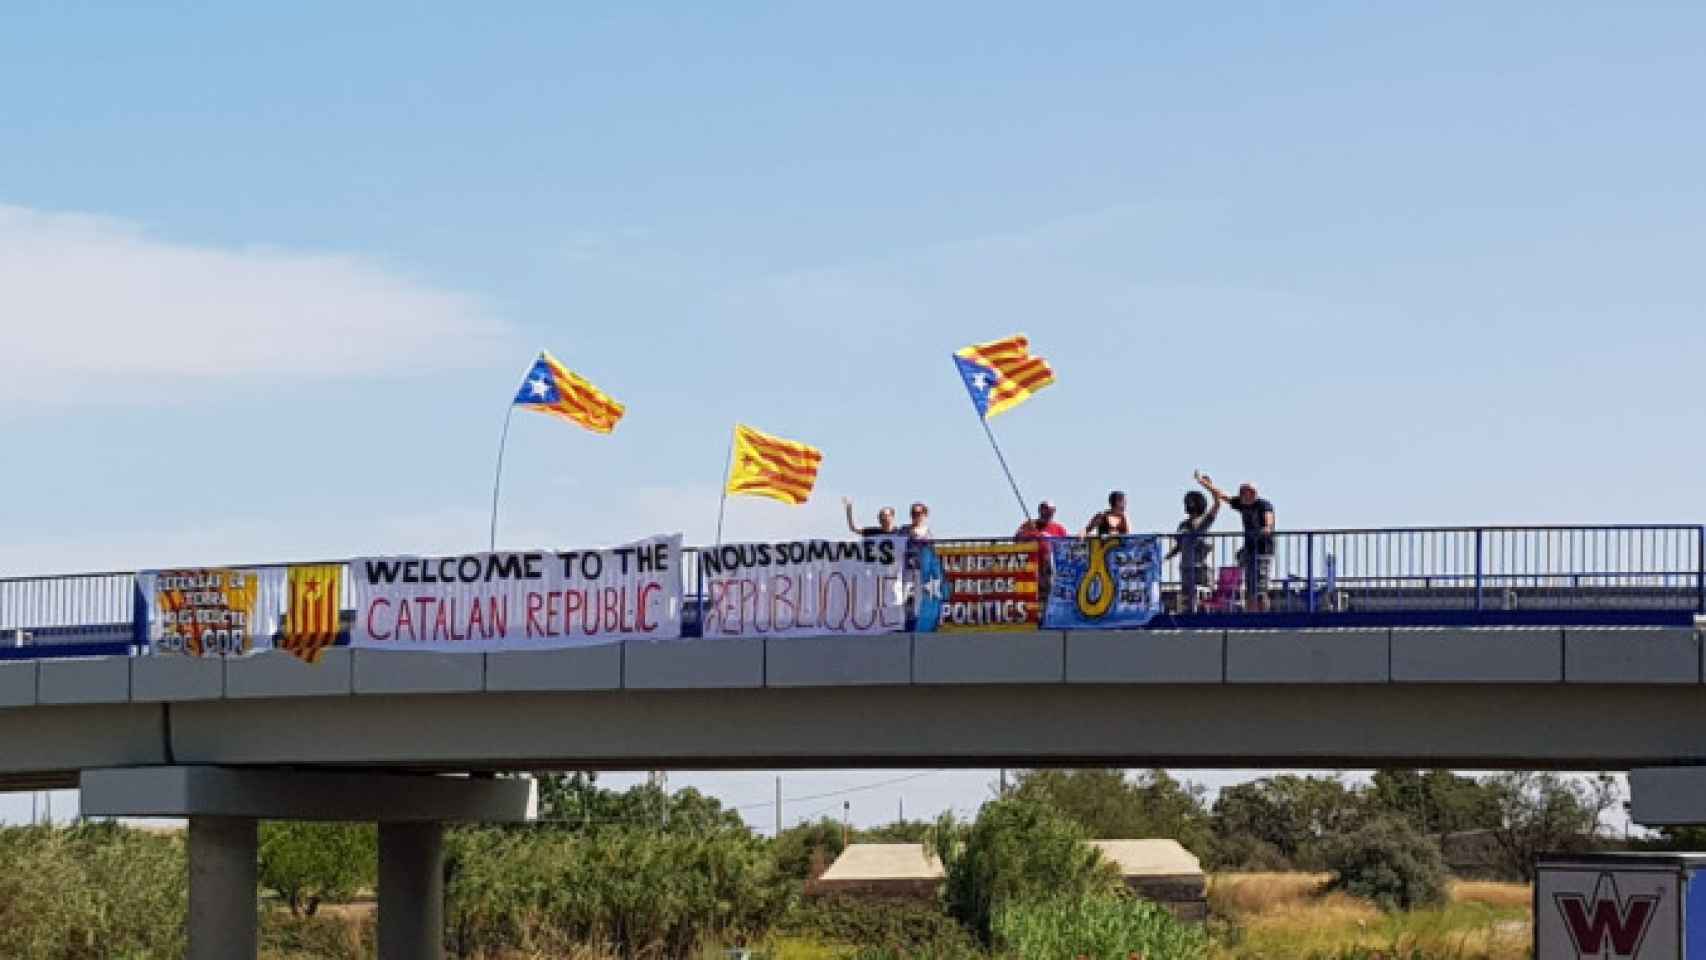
{"x": 85, "y": 297}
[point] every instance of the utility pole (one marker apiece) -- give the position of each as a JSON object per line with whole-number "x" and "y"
{"x": 1003, "y": 781}
{"x": 900, "y": 812}
{"x": 846, "y": 818}
{"x": 778, "y": 806}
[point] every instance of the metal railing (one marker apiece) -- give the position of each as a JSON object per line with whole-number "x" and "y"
{"x": 1425, "y": 576}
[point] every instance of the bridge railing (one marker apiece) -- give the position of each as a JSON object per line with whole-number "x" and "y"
{"x": 1426, "y": 575}
{"x": 1475, "y": 569}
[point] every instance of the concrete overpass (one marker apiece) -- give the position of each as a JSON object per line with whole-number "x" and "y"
{"x": 1569, "y": 698}
{"x": 371, "y": 735}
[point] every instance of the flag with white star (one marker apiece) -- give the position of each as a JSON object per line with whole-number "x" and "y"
{"x": 1001, "y": 374}
{"x": 552, "y": 388}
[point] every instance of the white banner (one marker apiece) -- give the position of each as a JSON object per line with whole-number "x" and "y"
{"x": 537, "y": 600}
{"x": 212, "y": 612}
{"x": 806, "y": 588}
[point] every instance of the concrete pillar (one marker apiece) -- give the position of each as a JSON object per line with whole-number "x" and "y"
{"x": 223, "y": 868}
{"x": 411, "y": 891}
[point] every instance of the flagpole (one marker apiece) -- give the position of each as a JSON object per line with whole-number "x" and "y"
{"x": 497, "y": 481}
{"x": 1023, "y": 508}
{"x": 728, "y": 462}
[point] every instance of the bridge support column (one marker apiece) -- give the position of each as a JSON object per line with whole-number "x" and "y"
{"x": 222, "y": 916}
{"x": 411, "y": 891}
{"x": 223, "y": 805}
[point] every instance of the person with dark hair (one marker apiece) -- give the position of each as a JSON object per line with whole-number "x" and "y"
{"x": 919, "y": 528}
{"x": 1196, "y": 570}
{"x": 885, "y": 521}
{"x": 1111, "y": 522}
{"x": 1257, "y": 554}
{"x": 1041, "y": 527}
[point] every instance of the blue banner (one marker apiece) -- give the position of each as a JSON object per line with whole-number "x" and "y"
{"x": 1103, "y": 582}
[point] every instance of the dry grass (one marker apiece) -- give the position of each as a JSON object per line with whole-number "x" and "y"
{"x": 1240, "y": 894}
{"x": 1512, "y": 896}
{"x": 1283, "y": 916}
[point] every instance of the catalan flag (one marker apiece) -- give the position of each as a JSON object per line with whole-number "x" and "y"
{"x": 551, "y": 388}
{"x": 311, "y": 621}
{"x": 1001, "y": 374}
{"x": 767, "y": 466}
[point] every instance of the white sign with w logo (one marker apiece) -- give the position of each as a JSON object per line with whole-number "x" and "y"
{"x": 1607, "y": 912}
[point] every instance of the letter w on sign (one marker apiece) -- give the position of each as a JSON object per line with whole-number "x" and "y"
{"x": 1607, "y": 924}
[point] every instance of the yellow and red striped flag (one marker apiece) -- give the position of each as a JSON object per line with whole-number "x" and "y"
{"x": 311, "y": 621}
{"x": 552, "y": 388}
{"x": 767, "y": 466}
{"x": 1002, "y": 374}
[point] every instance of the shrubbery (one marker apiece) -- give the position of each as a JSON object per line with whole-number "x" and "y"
{"x": 633, "y": 891}
{"x": 91, "y": 893}
{"x": 904, "y": 927}
{"x": 1096, "y": 928}
{"x": 1389, "y": 862}
{"x": 1015, "y": 850}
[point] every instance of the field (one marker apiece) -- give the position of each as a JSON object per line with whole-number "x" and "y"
{"x": 1281, "y": 916}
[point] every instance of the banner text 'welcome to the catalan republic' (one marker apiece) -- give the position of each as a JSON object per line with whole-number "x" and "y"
{"x": 519, "y": 601}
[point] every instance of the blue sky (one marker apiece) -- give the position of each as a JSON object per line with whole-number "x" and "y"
{"x": 268, "y": 276}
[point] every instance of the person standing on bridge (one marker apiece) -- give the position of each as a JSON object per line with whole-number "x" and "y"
{"x": 919, "y": 529}
{"x": 1042, "y": 527}
{"x": 1196, "y": 570}
{"x": 1257, "y": 554}
{"x": 885, "y": 522}
{"x": 1111, "y": 522}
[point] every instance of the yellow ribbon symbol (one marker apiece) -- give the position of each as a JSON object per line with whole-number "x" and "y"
{"x": 1096, "y": 591}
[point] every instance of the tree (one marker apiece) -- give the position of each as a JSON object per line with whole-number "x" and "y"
{"x": 1389, "y": 861}
{"x": 1283, "y": 820}
{"x": 1109, "y": 805}
{"x": 1016, "y": 849}
{"x": 801, "y": 849}
{"x": 1433, "y": 801}
{"x": 576, "y": 802}
{"x": 1541, "y": 812}
{"x": 307, "y": 864}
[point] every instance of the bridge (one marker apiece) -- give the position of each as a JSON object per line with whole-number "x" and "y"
{"x": 1493, "y": 648}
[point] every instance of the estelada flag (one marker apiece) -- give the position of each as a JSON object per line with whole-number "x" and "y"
{"x": 1001, "y": 374}
{"x": 552, "y": 388}
{"x": 311, "y": 620}
{"x": 767, "y": 466}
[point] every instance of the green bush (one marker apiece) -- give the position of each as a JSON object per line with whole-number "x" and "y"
{"x": 630, "y": 890}
{"x": 1016, "y": 850}
{"x": 1097, "y": 928}
{"x": 909, "y": 927}
{"x": 307, "y": 864}
{"x": 1388, "y": 862}
{"x": 94, "y": 892}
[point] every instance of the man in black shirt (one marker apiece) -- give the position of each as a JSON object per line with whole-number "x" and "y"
{"x": 1257, "y": 557}
{"x": 885, "y": 522}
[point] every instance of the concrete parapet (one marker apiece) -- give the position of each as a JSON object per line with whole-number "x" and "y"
{"x": 694, "y": 665}
{"x": 157, "y": 679}
{"x": 1514, "y": 655}
{"x": 404, "y": 672}
{"x": 83, "y": 680}
{"x": 17, "y": 683}
{"x": 842, "y": 661}
{"x": 1308, "y": 656}
{"x": 1632, "y": 655}
{"x": 994, "y": 657}
{"x": 1145, "y": 656}
{"x": 274, "y": 673}
{"x": 573, "y": 668}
